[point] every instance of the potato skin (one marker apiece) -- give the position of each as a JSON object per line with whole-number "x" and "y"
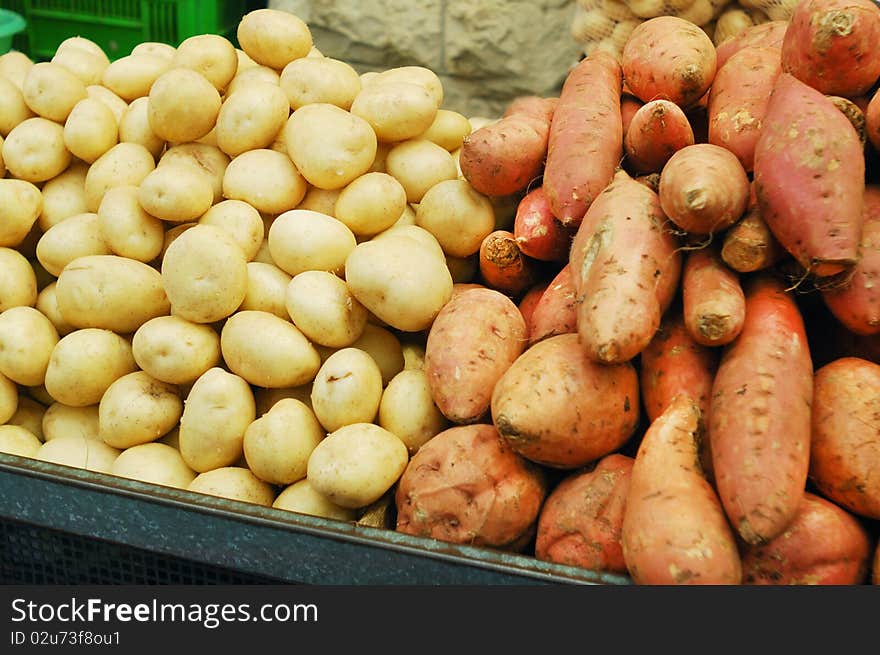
{"x": 581, "y": 520}
{"x": 466, "y": 485}
{"x": 474, "y": 339}
{"x": 823, "y": 545}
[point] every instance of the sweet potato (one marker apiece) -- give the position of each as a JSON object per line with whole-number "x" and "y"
{"x": 475, "y": 337}
{"x": 872, "y": 120}
{"x": 537, "y": 231}
{"x": 530, "y": 300}
{"x": 657, "y": 131}
{"x": 738, "y": 101}
{"x": 759, "y": 415}
{"x": 626, "y": 266}
{"x": 503, "y": 265}
{"x": 586, "y": 137}
{"x": 713, "y": 299}
{"x": 845, "y": 442}
{"x": 769, "y": 34}
{"x": 674, "y": 528}
{"x": 466, "y": 486}
{"x": 748, "y": 244}
{"x": 809, "y": 177}
{"x": 831, "y": 45}
{"x": 823, "y": 545}
{"x": 558, "y": 408}
{"x": 854, "y": 114}
{"x": 580, "y": 522}
{"x": 556, "y": 311}
{"x": 856, "y": 303}
{"x": 669, "y": 57}
{"x": 629, "y": 105}
{"x": 504, "y": 157}
{"x": 704, "y": 189}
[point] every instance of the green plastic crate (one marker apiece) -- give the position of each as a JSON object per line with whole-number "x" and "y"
{"x": 119, "y": 25}
{"x": 12, "y": 23}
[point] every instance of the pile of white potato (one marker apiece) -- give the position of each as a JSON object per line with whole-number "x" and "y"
{"x": 218, "y": 263}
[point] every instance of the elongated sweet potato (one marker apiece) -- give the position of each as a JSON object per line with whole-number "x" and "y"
{"x": 586, "y": 137}
{"x": 674, "y": 528}
{"x": 626, "y": 267}
{"x": 537, "y": 231}
{"x": 476, "y": 336}
{"x": 556, "y": 311}
{"x": 854, "y": 114}
{"x": 769, "y": 34}
{"x": 823, "y": 545}
{"x": 713, "y": 299}
{"x": 581, "y": 520}
{"x": 748, "y": 244}
{"x": 856, "y": 303}
{"x": 845, "y": 446}
{"x": 558, "y": 408}
{"x": 738, "y": 101}
{"x": 466, "y": 486}
{"x": 657, "y": 131}
{"x": 504, "y": 266}
{"x": 831, "y": 45}
{"x": 759, "y": 416}
{"x": 809, "y": 177}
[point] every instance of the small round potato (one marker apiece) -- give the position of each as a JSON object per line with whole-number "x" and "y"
{"x": 266, "y": 179}
{"x": 408, "y": 409}
{"x": 243, "y": 223}
{"x": 278, "y": 444}
{"x": 319, "y": 79}
{"x": 29, "y": 415}
{"x": 51, "y": 90}
{"x": 205, "y": 157}
{"x": 137, "y": 408}
{"x": 16, "y": 440}
{"x": 183, "y": 105}
{"x": 205, "y": 274}
{"x": 8, "y": 398}
{"x": 397, "y": 111}
{"x": 76, "y": 236}
{"x": 212, "y": 55}
{"x": 302, "y": 498}
{"x": 267, "y": 289}
{"x": 20, "y": 205}
{"x": 457, "y": 215}
{"x": 47, "y": 304}
{"x": 384, "y": 347}
{"x": 85, "y": 63}
{"x": 321, "y": 306}
{"x": 252, "y": 119}
{"x": 14, "y": 65}
{"x": 18, "y": 283}
{"x": 347, "y": 389}
{"x": 320, "y": 200}
{"x": 157, "y": 48}
{"x": 34, "y": 150}
{"x": 124, "y": 163}
{"x": 414, "y": 74}
{"x": 329, "y": 145}
{"x": 256, "y": 73}
{"x": 356, "y": 464}
{"x": 27, "y": 339}
{"x": 13, "y": 108}
{"x": 90, "y": 130}
{"x": 100, "y": 92}
{"x": 60, "y": 420}
{"x": 156, "y": 463}
{"x": 267, "y": 351}
{"x": 273, "y": 37}
{"x": 84, "y": 363}
{"x": 448, "y": 129}
{"x": 83, "y": 44}
{"x": 371, "y": 203}
{"x": 63, "y": 196}
{"x": 132, "y": 75}
{"x": 127, "y": 229}
{"x": 174, "y": 350}
{"x": 177, "y": 193}
{"x": 111, "y": 292}
{"x": 134, "y": 127}
{"x": 88, "y": 454}
{"x": 234, "y": 483}
{"x": 305, "y": 240}
{"x": 419, "y": 164}
{"x": 218, "y": 409}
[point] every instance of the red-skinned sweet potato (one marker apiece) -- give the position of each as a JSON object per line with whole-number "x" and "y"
{"x": 872, "y": 120}
{"x": 530, "y": 300}
{"x": 629, "y": 105}
{"x": 823, "y": 545}
{"x": 748, "y": 244}
{"x": 713, "y": 299}
{"x": 769, "y": 34}
{"x": 556, "y": 311}
{"x": 504, "y": 266}
{"x": 657, "y": 131}
{"x": 581, "y": 520}
{"x": 674, "y": 528}
{"x": 538, "y": 233}
{"x": 854, "y": 114}
{"x": 759, "y": 415}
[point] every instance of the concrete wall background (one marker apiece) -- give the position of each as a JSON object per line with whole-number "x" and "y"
{"x": 486, "y": 52}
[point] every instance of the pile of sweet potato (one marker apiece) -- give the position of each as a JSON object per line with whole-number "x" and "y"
{"x": 669, "y": 364}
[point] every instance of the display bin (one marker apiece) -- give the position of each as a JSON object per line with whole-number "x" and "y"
{"x": 12, "y": 24}
{"x": 63, "y": 525}
{"x": 119, "y": 25}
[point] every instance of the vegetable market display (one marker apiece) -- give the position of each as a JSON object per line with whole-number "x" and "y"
{"x": 634, "y": 328}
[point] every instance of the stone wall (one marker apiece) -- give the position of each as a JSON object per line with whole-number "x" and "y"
{"x": 486, "y": 52}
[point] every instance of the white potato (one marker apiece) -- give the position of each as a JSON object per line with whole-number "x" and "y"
{"x": 322, "y": 307}
{"x": 254, "y": 73}
{"x": 157, "y": 48}
{"x": 347, "y": 389}
{"x": 20, "y": 205}
{"x": 137, "y": 408}
{"x": 371, "y": 203}
{"x": 266, "y": 179}
{"x": 90, "y": 130}
{"x": 13, "y": 108}
{"x": 29, "y": 415}
{"x": 27, "y": 339}
{"x": 384, "y": 347}
{"x": 14, "y": 65}
{"x": 212, "y": 55}
{"x": 267, "y": 289}
{"x": 16, "y": 440}
{"x": 123, "y": 164}
{"x": 408, "y": 411}
{"x": 63, "y": 196}
{"x": 132, "y": 75}
{"x": 76, "y": 236}
{"x": 175, "y": 350}
{"x": 8, "y": 398}
{"x": 273, "y": 37}
{"x": 51, "y": 90}
{"x": 155, "y": 463}
{"x": 304, "y": 240}
{"x": 251, "y": 119}
{"x": 127, "y": 229}
{"x": 18, "y": 283}
{"x": 319, "y": 79}
{"x": 85, "y": 63}
{"x": 448, "y": 129}
{"x": 235, "y": 483}
{"x": 414, "y": 74}
{"x": 205, "y": 157}
{"x": 81, "y": 43}
{"x": 396, "y": 110}
{"x": 241, "y": 221}
{"x": 419, "y": 164}
{"x": 183, "y": 105}
{"x": 302, "y": 498}
{"x": 47, "y": 304}
{"x": 134, "y": 127}
{"x": 60, "y": 420}
{"x": 277, "y": 445}
{"x": 35, "y": 151}
{"x": 70, "y": 450}
{"x": 177, "y": 193}
{"x": 457, "y": 215}
{"x": 100, "y": 92}
{"x": 320, "y": 200}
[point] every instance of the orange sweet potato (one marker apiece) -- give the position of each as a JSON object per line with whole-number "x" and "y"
{"x": 872, "y": 120}
{"x": 713, "y": 299}
{"x": 475, "y": 337}
{"x": 586, "y": 137}
{"x": 759, "y": 416}
{"x": 530, "y": 300}
{"x": 823, "y": 545}
{"x": 626, "y": 267}
{"x": 845, "y": 442}
{"x": 558, "y": 408}
{"x": 657, "y": 131}
{"x": 504, "y": 266}
{"x": 748, "y": 244}
{"x": 556, "y": 311}
{"x": 580, "y": 522}
{"x": 467, "y": 486}
{"x": 809, "y": 177}
{"x": 831, "y": 45}
{"x": 769, "y": 34}
{"x": 674, "y": 528}
{"x": 537, "y": 231}
{"x": 629, "y": 105}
